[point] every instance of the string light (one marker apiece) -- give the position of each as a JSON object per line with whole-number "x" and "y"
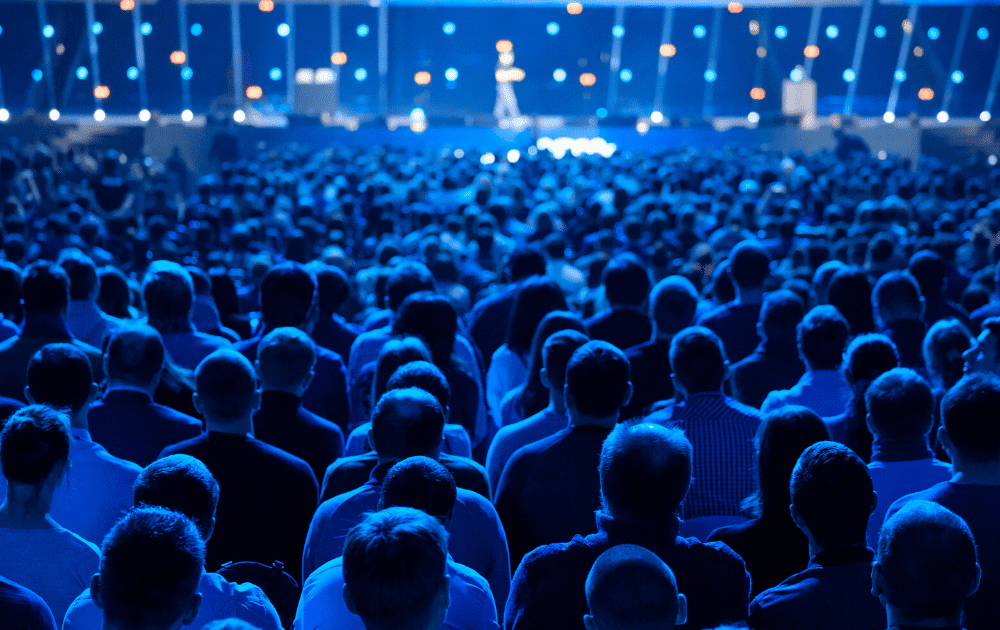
{"x": 668, "y": 50}
{"x": 178, "y": 57}
{"x": 338, "y": 58}
{"x": 757, "y": 93}
{"x": 422, "y": 78}
{"x": 254, "y": 92}
{"x": 587, "y": 79}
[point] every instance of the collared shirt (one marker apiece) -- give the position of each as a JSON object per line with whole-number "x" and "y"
{"x": 130, "y": 425}
{"x": 512, "y": 437}
{"x": 322, "y": 606}
{"x": 824, "y": 391}
{"x": 454, "y": 441}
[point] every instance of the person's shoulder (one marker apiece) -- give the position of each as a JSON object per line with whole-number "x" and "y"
{"x": 286, "y": 459}
{"x": 935, "y": 493}
{"x": 245, "y": 595}
{"x": 328, "y": 356}
{"x": 334, "y": 504}
{"x": 319, "y": 423}
{"x": 351, "y": 463}
{"x": 751, "y": 413}
{"x": 212, "y": 340}
{"x": 76, "y": 545}
{"x": 186, "y": 447}
{"x": 714, "y": 314}
{"x": 535, "y": 450}
{"x": 101, "y": 454}
{"x": 470, "y": 580}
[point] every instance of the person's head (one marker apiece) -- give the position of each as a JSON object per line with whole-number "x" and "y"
{"x": 420, "y": 483}
{"x": 405, "y": 423}
{"x": 431, "y": 317}
{"x": 929, "y": 270}
{"x": 151, "y": 566}
{"x": 333, "y": 287}
{"x": 645, "y": 472}
{"x": 867, "y": 357}
{"x": 626, "y": 281}
{"x": 288, "y": 296}
{"x": 944, "y": 346}
{"x": 822, "y": 336}
{"x": 984, "y": 355}
{"x": 673, "y": 301}
{"x": 135, "y": 357}
{"x": 534, "y": 394}
{"x": 524, "y": 263}
{"x": 556, "y": 353}
{"x": 395, "y": 354}
{"x": 60, "y": 376}
{"x": 44, "y": 289}
{"x": 970, "y": 430}
{"x": 697, "y": 360}
{"x": 780, "y": 315}
{"x": 183, "y": 484}
{"x": 34, "y": 446}
{"x": 832, "y": 495}
{"x": 225, "y": 389}
{"x": 925, "y": 566}
{"x": 285, "y": 360}
{"x": 851, "y": 293}
{"x": 115, "y": 295}
{"x": 782, "y": 436}
{"x": 422, "y": 375}
{"x": 821, "y": 280}
{"x": 630, "y": 588}
{"x": 83, "y": 281}
{"x": 900, "y": 405}
{"x": 406, "y": 279}
{"x": 897, "y": 296}
{"x": 168, "y": 293}
{"x": 395, "y": 575}
{"x": 597, "y": 381}
{"x": 749, "y": 266}
{"x": 537, "y": 298}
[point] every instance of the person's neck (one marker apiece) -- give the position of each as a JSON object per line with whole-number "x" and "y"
{"x": 749, "y": 296}
{"x": 628, "y": 307}
{"x": 27, "y": 507}
{"x": 114, "y": 383}
{"x": 242, "y": 426}
{"x": 975, "y": 473}
{"x": 434, "y": 454}
{"x": 815, "y": 548}
{"x": 556, "y": 402}
{"x": 577, "y": 419}
{"x": 898, "y": 619}
{"x": 295, "y": 391}
{"x": 79, "y": 420}
{"x": 661, "y": 335}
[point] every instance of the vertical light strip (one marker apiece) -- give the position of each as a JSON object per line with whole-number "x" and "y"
{"x": 859, "y": 52}
{"x": 140, "y": 55}
{"x": 807, "y": 64}
{"x": 991, "y": 92}
{"x": 661, "y": 69}
{"x": 182, "y": 21}
{"x": 334, "y": 38}
{"x": 383, "y": 57}
{"x": 956, "y": 57}
{"x": 50, "y": 83}
{"x": 904, "y": 52}
{"x": 713, "y": 60}
{"x": 616, "y": 60}
{"x": 3, "y": 103}
{"x": 290, "y": 54}
{"x": 234, "y": 18}
{"x": 95, "y": 66}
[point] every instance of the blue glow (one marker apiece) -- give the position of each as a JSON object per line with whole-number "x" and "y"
{"x": 602, "y": 113}
{"x": 146, "y": 28}
{"x": 360, "y": 74}
{"x": 451, "y": 74}
{"x": 850, "y": 75}
{"x": 957, "y": 76}
{"x": 363, "y": 30}
{"x": 626, "y": 75}
{"x": 418, "y": 113}
{"x": 36, "y": 74}
{"x": 82, "y": 73}
{"x": 832, "y": 31}
{"x": 933, "y": 33}
{"x": 196, "y": 29}
{"x": 48, "y": 31}
{"x": 187, "y": 73}
{"x": 132, "y": 73}
{"x": 1, "y": 30}
{"x": 710, "y": 75}
{"x": 618, "y": 30}
{"x": 880, "y": 31}
{"x": 900, "y": 75}
{"x": 284, "y": 30}
{"x": 559, "y": 75}
{"x": 97, "y": 28}
{"x": 983, "y": 33}
{"x": 552, "y": 28}
{"x": 700, "y": 31}
{"x": 796, "y": 75}
{"x": 448, "y": 28}
{"x": 780, "y": 32}
{"x": 275, "y": 74}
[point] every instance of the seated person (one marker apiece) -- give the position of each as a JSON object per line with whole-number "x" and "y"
{"x": 776, "y": 363}
{"x": 629, "y": 587}
{"x": 84, "y": 318}
{"x": 23, "y": 609}
{"x": 626, "y": 287}
{"x": 899, "y": 311}
{"x": 735, "y": 322}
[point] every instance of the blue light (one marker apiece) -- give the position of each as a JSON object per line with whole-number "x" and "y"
{"x": 710, "y": 75}
{"x": 275, "y": 74}
{"x": 1, "y": 31}
{"x": 832, "y": 31}
{"x": 559, "y": 75}
{"x": 552, "y": 28}
{"x": 284, "y": 30}
{"x": 626, "y": 75}
{"x": 36, "y": 74}
{"x": 451, "y": 74}
{"x": 700, "y": 31}
{"x": 880, "y": 31}
{"x": 602, "y": 113}
{"x": 780, "y": 32}
{"x": 187, "y": 73}
{"x": 97, "y": 28}
{"x": 983, "y": 33}
{"x": 796, "y": 75}
{"x": 360, "y": 74}
{"x": 132, "y": 73}
{"x": 957, "y": 76}
{"x": 933, "y": 33}
{"x": 48, "y": 31}
{"x": 850, "y": 75}
{"x": 146, "y": 28}
{"x": 448, "y": 28}
{"x": 196, "y": 29}
{"x": 82, "y": 73}
{"x": 363, "y": 30}
{"x": 900, "y": 75}
{"x": 618, "y": 30}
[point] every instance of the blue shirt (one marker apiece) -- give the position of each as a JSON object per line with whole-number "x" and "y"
{"x": 512, "y": 437}
{"x": 454, "y": 441}
{"x": 824, "y": 391}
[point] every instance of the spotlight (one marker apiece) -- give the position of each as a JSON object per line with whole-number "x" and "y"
{"x": 656, "y": 117}
{"x": 82, "y": 73}
{"x": 196, "y": 29}
{"x": 900, "y": 75}
{"x": 266, "y": 5}
{"x": 178, "y": 57}
{"x": 832, "y": 31}
{"x": 48, "y": 31}
{"x": 668, "y": 50}
{"x": 513, "y": 156}
{"x": 780, "y": 32}
{"x": 625, "y": 75}
{"x": 933, "y": 33}
{"x": 99, "y": 115}
{"x": 618, "y": 30}
{"x": 559, "y": 75}
{"x": 710, "y": 75}
{"x": 275, "y": 74}
{"x": 4, "y": 114}
{"x": 811, "y": 51}
{"x": 187, "y": 73}
{"x": 144, "y": 115}
{"x": 422, "y": 78}
{"x": 254, "y": 92}
{"x": 126, "y": 5}
{"x": 753, "y": 118}
{"x": 360, "y": 74}
{"x": 552, "y": 28}
{"x": 53, "y": 114}
{"x": 448, "y": 28}
{"x": 574, "y": 8}
{"x": 97, "y": 28}
{"x": 700, "y": 31}
{"x": 146, "y": 28}
{"x": 504, "y": 46}
{"x": 338, "y": 58}
{"x": 880, "y": 31}
{"x": 735, "y": 7}
{"x": 284, "y": 30}
{"x": 985, "y": 116}
{"x": 942, "y": 116}
{"x": 957, "y": 76}
{"x": 102, "y": 92}
{"x": 757, "y": 93}
{"x": 187, "y": 115}
{"x": 889, "y": 117}
{"x": 362, "y": 30}
{"x": 132, "y": 73}
{"x": 239, "y": 115}
{"x": 925, "y": 94}
{"x": 587, "y": 79}
{"x": 983, "y": 33}
{"x": 850, "y": 75}
{"x": 451, "y": 74}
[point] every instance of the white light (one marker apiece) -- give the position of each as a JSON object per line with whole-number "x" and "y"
{"x": 144, "y": 115}
{"x": 626, "y": 75}
{"x": 360, "y": 74}
{"x": 559, "y": 75}
{"x": 48, "y": 31}
{"x": 577, "y": 146}
{"x": 513, "y": 155}
{"x": 985, "y": 116}
{"x": 187, "y": 115}
{"x": 797, "y": 74}
{"x": 284, "y": 30}
{"x": 992, "y": 160}
{"x": 832, "y": 31}
{"x": 487, "y": 158}
{"x": 656, "y": 117}
{"x": 97, "y": 28}
{"x": 54, "y": 114}
{"x": 753, "y": 118}
{"x": 99, "y": 115}
{"x": 942, "y": 116}
{"x": 239, "y": 115}
{"x": 417, "y": 114}
{"x": 4, "y": 114}
{"x": 618, "y": 30}
{"x": 889, "y": 117}
{"x": 451, "y": 74}
{"x": 459, "y": 154}
{"x": 882, "y": 155}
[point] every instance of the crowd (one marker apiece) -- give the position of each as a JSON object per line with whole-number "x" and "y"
{"x": 412, "y": 389}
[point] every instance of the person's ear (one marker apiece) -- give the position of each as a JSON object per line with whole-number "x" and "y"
{"x": 944, "y": 439}
{"x": 628, "y": 394}
{"x": 725, "y": 371}
{"x": 197, "y": 403}
{"x": 348, "y": 600}
{"x": 95, "y": 591}
{"x": 95, "y": 393}
{"x": 543, "y": 376}
{"x": 568, "y": 398}
{"x": 210, "y": 530}
{"x": 682, "y": 610}
{"x": 256, "y": 367}
{"x": 590, "y": 623}
{"x": 309, "y": 379}
{"x": 256, "y": 399}
{"x": 191, "y": 610}
{"x": 975, "y": 583}
{"x": 796, "y": 517}
{"x": 371, "y": 440}
{"x": 874, "y": 502}
{"x": 878, "y": 580}
{"x": 28, "y": 396}
{"x": 868, "y": 423}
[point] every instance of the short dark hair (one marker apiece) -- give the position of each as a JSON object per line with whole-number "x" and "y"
{"x": 44, "y": 288}
{"x": 780, "y": 313}
{"x": 969, "y": 414}
{"x": 944, "y": 344}
{"x": 60, "y": 375}
{"x": 135, "y": 354}
{"x": 34, "y": 441}
{"x": 629, "y": 587}
{"x": 524, "y": 263}
{"x": 431, "y": 317}
{"x": 168, "y": 292}
{"x": 832, "y": 492}
{"x": 394, "y": 563}
{"x": 422, "y": 375}
{"x": 132, "y": 594}
{"x": 896, "y": 295}
{"x": 407, "y": 422}
{"x": 180, "y": 483}
{"x": 557, "y": 352}
{"x": 929, "y": 270}
{"x": 782, "y": 436}
{"x": 645, "y": 471}
{"x": 673, "y": 302}
{"x": 405, "y": 279}
{"x": 868, "y": 356}
{"x": 333, "y": 286}
{"x": 225, "y": 383}
{"x": 822, "y": 336}
{"x": 900, "y": 404}
{"x": 393, "y": 355}
{"x": 597, "y": 378}
{"x": 749, "y": 265}
{"x": 287, "y": 295}
{"x": 625, "y": 280}
{"x": 698, "y": 359}
{"x": 421, "y": 483}
{"x": 285, "y": 356}
{"x": 928, "y": 559}
{"x": 82, "y": 273}
{"x": 536, "y": 298}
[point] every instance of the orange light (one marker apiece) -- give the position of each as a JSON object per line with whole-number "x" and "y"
{"x": 735, "y": 7}
{"x": 102, "y": 92}
{"x": 754, "y": 27}
{"x": 422, "y": 78}
{"x": 574, "y": 8}
{"x": 925, "y": 94}
{"x": 668, "y": 50}
{"x": 266, "y": 5}
{"x": 587, "y": 79}
{"x": 254, "y": 92}
{"x": 812, "y": 51}
{"x": 127, "y": 5}
{"x": 761, "y": 52}
{"x": 178, "y": 57}
{"x": 757, "y": 94}
{"x": 338, "y": 58}
{"x": 504, "y": 46}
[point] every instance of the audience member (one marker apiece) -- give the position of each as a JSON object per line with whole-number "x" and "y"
{"x": 626, "y": 288}
{"x": 331, "y": 330}
{"x": 983, "y": 356}
{"x": 850, "y": 292}
{"x": 776, "y": 364}
{"x": 372, "y": 378}
{"x": 899, "y": 311}
{"x": 205, "y": 314}
{"x": 736, "y": 322}
{"x": 629, "y": 588}
{"x": 84, "y": 318}
{"x": 930, "y": 272}
{"x": 23, "y": 609}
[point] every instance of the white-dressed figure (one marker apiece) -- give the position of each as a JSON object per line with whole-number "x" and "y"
{"x": 506, "y": 74}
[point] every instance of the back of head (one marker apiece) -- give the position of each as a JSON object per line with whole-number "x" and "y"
{"x": 202, "y": 283}
{"x": 557, "y": 352}
{"x": 394, "y": 354}
{"x": 782, "y": 436}
{"x": 407, "y": 422}
{"x": 851, "y": 293}
{"x": 333, "y": 286}
{"x": 537, "y": 298}
{"x": 868, "y": 356}
{"x": 832, "y": 492}
{"x": 394, "y": 567}
{"x": 420, "y": 483}
{"x": 597, "y": 380}
{"x": 698, "y": 360}
{"x": 407, "y": 278}
{"x": 926, "y": 562}
{"x": 225, "y": 384}
{"x": 180, "y": 483}
{"x": 749, "y": 266}
{"x": 626, "y": 281}
{"x": 944, "y": 344}
{"x": 83, "y": 280}
{"x": 287, "y": 295}
{"x": 897, "y": 296}
{"x": 673, "y": 301}
{"x": 35, "y": 440}
{"x": 823, "y": 336}
{"x": 900, "y": 405}
{"x": 132, "y": 595}
{"x": 645, "y": 471}
{"x": 822, "y": 277}
{"x": 60, "y": 375}
{"x": 524, "y": 263}
{"x": 422, "y": 375}
{"x": 135, "y": 355}
{"x": 929, "y": 270}
{"x": 433, "y": 318}
{"x": 630, "y": 588}
{"x": 968, "y": 412}
{"x": 285, "y": 358}
{"x": 168, "y": 293}
{"x": 45, "y": 288}
{"x": 781, "y": 313}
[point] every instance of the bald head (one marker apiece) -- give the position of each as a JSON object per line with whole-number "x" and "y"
{"x": 226, "y": 388}
{"x": 630, "y": 588}
{"x": 285, "y": 360}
